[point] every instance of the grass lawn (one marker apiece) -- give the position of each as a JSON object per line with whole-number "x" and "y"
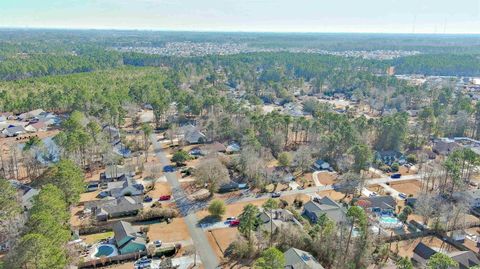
{"x": 95, "y": 238}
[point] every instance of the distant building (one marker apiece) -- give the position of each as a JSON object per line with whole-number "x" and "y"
{"x": 127, "y": 187}
{"x": 192, "y": 135}
{"x": 445, "y": 146}
{"x": 277, "y": 219}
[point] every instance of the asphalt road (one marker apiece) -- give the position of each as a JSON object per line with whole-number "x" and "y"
{"x": 187, "y": 209}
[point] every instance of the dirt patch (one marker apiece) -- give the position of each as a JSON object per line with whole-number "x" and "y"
{"x": 161, "y": 188}
{"x": 327, "y": 178}
{"x": 335, "y": 195}
{"x": 177, "y": 230}
{"x": 220, "y": 239}
{"x": 376, "y": 188}
{"x": 412, "y": 187}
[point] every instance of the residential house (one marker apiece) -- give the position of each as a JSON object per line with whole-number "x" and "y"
{"x": 26, "y": 193}
{"x": 471, "y": 196}
{"x": 445, "y": 146}
{"x": 277, "y": 219}
{"x": 191, "y": 134}
{"x": 128, "y": 238}
{"x": 299, "y": 259}
{"x": 12, "y": 130}
{"x": 465, "y": 259}
{"x": 389, "y": 157}
{"x": 38, "y": 126}
{"x": 214, "y": 148}
{"x": 317, "y": 207}
{"x": 127, "y": 187}
{"x": 379, "y": 204}
{"x": 231, "y": 186}
{"x": 31, "y": 114}
{"x": 112, "y": 133}
{"x": 105, "y": 209}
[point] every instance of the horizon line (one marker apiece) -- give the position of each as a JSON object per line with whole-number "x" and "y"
{"x": 220, "y": 31}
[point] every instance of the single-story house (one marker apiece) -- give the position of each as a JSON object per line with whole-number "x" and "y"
{"x": 465, "y": 259}
{"x": 277, "y": 219}
{"x": 128, "y": 239}
{"x": 317, "y": 207}
{"x": 471, "y": 196}
{"x": 445, "y": 146}
{"x": 127, "y": 187}
{"x": 11, "y": 130}
{"x": 299, "y": 259}
{"x": 31, "y": 114}
{"x": 380, "y": 204}
{"x": 112, "y": 133}
{"x": 27, "y": 193}
{"x": 105, "y": 209}
{"x": 192, "y": 134}
{"x": 214, "y": 148}
{"x": 231, "y": 186}
{"x": 39, "y": 126}
{"x": 389, "y": 157}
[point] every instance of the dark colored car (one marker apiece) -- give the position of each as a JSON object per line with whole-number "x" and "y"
{"x": 164, "y": 197}
{"x": 397, "y": 175}
{"x": 234, "y": 223}
{"x": 276, "y": 195}
{"x": 147, "y": 199}
{"x": 168, "y": 169}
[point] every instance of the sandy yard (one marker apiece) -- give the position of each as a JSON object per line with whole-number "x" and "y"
{"x": 376, "y": 188}
{"x": 175, "y": 231}
{"x": 405, "y": 248}
{"x": 220, "y": 239}
{"x": 411, "y": 187}
{"x": 335, "y": 195}
{"x": 76, "y": 218}
{"x": 327, "y": 178}
{"x": 89, "y": 196}
{"x": 161, "y": 188}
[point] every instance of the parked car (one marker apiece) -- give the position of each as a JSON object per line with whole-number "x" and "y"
{"x": 92, "y": 187}
{"x": 276, "y": 195}
{"x": 157, "y": 243}
{"x": 168, "y": 169}
{"x": 373, "y": 194}
{"x": 103, "y": 194}
{"x": 473, "y": 184}
{"x": 147, "y": 199}
{"x": 142, "y": 263}
{"x": 164, "y": 198}
{"x": 397, "y": 175}
{"x": 234, "y": 223}
{"x": 402, "y": 195}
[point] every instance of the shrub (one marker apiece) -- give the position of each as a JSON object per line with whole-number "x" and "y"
{"x": 217, "y": 208}
{"x": 395, "y": 167}
{"x": 158, "y": 213}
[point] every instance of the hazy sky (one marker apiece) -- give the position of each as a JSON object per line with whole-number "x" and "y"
{"x": 406, "y": 16}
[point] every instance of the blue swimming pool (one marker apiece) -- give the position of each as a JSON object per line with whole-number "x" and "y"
{"x": 104, "y": 250}
{"x": 389, "y": 220}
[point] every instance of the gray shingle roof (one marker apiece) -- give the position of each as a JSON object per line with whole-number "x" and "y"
{"x": 299, "y": 259}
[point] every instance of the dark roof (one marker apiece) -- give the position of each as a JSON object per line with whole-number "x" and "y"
{"x": 383, "y": 202}
{"x": 424, "y": 251}
{"x": 326, "y": 206}
{"x": 465, "y": 259}
{"x": 117, "y": 205}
